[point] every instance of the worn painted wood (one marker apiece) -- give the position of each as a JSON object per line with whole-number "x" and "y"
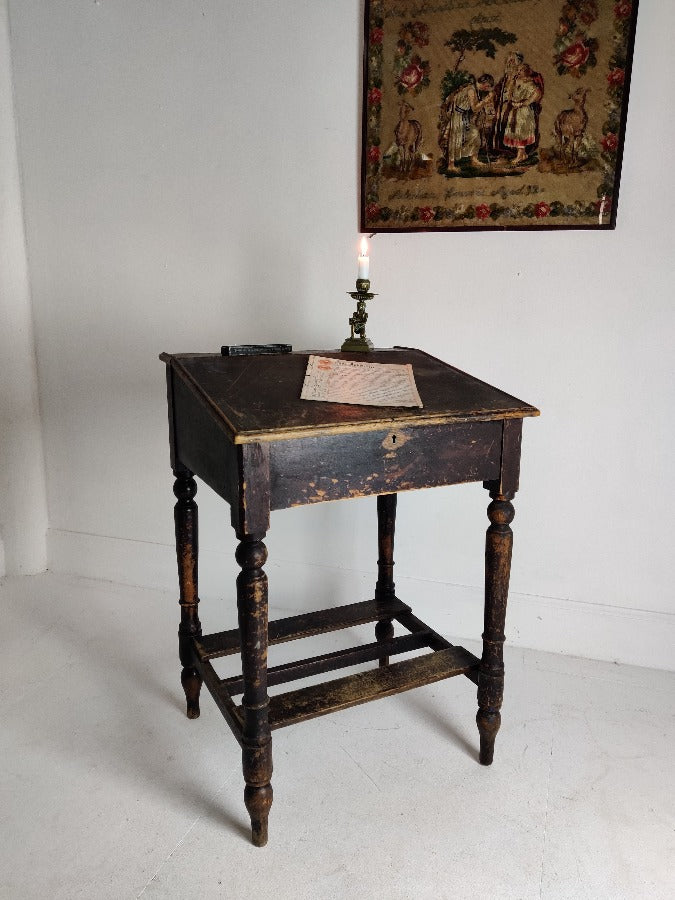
{"x": 433, "y": 639}
{"x": 317, "y": 700}
{"x": 239, "y": 425}
{"x": 498, "y": 546}
{"x": 170, "y": 402}
{"x": 506, "y": 484}
{"x": 256, "y": 739}
{"x": 329, "y": 662}
{"x": 200, "y": 444}
{"x": 257, "y": 398}
{"x": 292, "y": 628}
{"x": 232, "y": 713}
{"x": 250, "y": 507}
{"x": 344, "y": 466}
{"x": 385, "y": 589}
{"x": 187, "y": 552}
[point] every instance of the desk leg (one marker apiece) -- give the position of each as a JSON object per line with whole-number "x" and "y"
{"x": 187, "y": 552}
{"x": 257, "y": 740}
{"x": 499, "y": 541}
{"x": 385, "y": 588}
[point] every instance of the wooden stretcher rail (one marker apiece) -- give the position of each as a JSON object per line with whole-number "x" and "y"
{"x": 434, "y": 640}
{"x": 225, "y": 643}
{"x": 339, "y": 659}
{"x": 224, "y": 702}
{"x": 307, "y": 703}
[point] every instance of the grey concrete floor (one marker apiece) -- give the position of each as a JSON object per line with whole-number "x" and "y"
{"x": 108, "y": 791}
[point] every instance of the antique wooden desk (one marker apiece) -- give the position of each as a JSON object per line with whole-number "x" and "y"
{"x": 239, "y": 425}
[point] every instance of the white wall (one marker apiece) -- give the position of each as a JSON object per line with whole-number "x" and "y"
{"x": 23, "y": 503}
{"x": 191, "y": 178}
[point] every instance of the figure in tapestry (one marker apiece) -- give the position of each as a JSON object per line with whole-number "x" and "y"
{"x": 521, "y": 128}
{"x": 462, "y": 133}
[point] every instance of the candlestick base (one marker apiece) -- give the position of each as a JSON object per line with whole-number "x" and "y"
{"x": 356, "y": 345}
{"x": 357, "y": 342}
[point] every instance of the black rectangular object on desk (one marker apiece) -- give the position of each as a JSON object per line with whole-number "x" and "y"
{"x": 253, "y": 349}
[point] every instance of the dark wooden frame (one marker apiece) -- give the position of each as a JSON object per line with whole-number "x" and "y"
{"x": 276, "y": 459}
{"x": 481, "y": 206}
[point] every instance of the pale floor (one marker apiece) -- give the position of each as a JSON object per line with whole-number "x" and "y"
{"x": 109, "y": 791}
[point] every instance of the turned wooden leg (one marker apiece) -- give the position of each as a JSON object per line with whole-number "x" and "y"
{"x": 257, "y": 740}
{"x": 499, "y": 541}
{"x": 385, "y": 587}
{"x": 187, "y": 552}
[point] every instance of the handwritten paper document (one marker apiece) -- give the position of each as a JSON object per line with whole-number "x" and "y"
{"x": 369, "y": 384}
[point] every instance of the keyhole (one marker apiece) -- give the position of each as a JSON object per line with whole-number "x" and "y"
{"x": 393, "y": 438}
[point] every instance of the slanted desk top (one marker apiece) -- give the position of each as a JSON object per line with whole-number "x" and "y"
{"x": 257, "y": 398}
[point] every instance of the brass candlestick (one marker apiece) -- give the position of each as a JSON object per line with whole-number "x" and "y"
{"x": 358, "y": 341}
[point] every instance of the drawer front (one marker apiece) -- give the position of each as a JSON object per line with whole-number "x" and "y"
{"x": 335, "y": 467}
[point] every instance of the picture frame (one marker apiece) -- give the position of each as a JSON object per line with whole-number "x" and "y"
{"x": 494, "y": 114}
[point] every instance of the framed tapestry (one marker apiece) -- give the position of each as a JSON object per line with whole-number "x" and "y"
{"x": 494, "y": 114}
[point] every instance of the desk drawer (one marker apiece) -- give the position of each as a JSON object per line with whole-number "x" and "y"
{"x": 339, "y": 466}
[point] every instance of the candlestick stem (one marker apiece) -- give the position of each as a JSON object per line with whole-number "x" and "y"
{"x": 357, "y": 341}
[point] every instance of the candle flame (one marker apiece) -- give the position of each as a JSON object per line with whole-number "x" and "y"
{"x": 364, "y": 247}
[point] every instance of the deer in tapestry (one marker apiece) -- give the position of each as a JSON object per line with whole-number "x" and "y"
{"x": 570, "y": 127}
{"x": 408, "y": 134}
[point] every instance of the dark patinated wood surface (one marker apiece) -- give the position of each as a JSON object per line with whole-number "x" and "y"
{"x": 257, "y": 398}
{"x": 256, "y": 738}
{"x": 385, "y": 589}
{"x": 317, "y": 700}
{"x": 498, "y": 549}
{"x": 187, "y": 551}
{"x": 297, "y": 627}
{"x": 338, "y": 659}
{"x": 342, "y": 466}
{"x": 238, "y": 424}
{"x": 224, "y": 643}
{"x": 498, "y": 545}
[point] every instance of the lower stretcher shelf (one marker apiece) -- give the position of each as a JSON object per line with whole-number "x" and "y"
{"x": 444, "y": 661}
{"x": 319, "y": 699}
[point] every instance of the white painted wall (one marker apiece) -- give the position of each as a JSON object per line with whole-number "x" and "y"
{"x": 191, "y": 178}
{"x": 23, "y": 503}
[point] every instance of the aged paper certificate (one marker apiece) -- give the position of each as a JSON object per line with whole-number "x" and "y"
{"x": 368, "y": 384}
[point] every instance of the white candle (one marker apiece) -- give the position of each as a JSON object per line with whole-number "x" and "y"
{"x": 364, "y": 260}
